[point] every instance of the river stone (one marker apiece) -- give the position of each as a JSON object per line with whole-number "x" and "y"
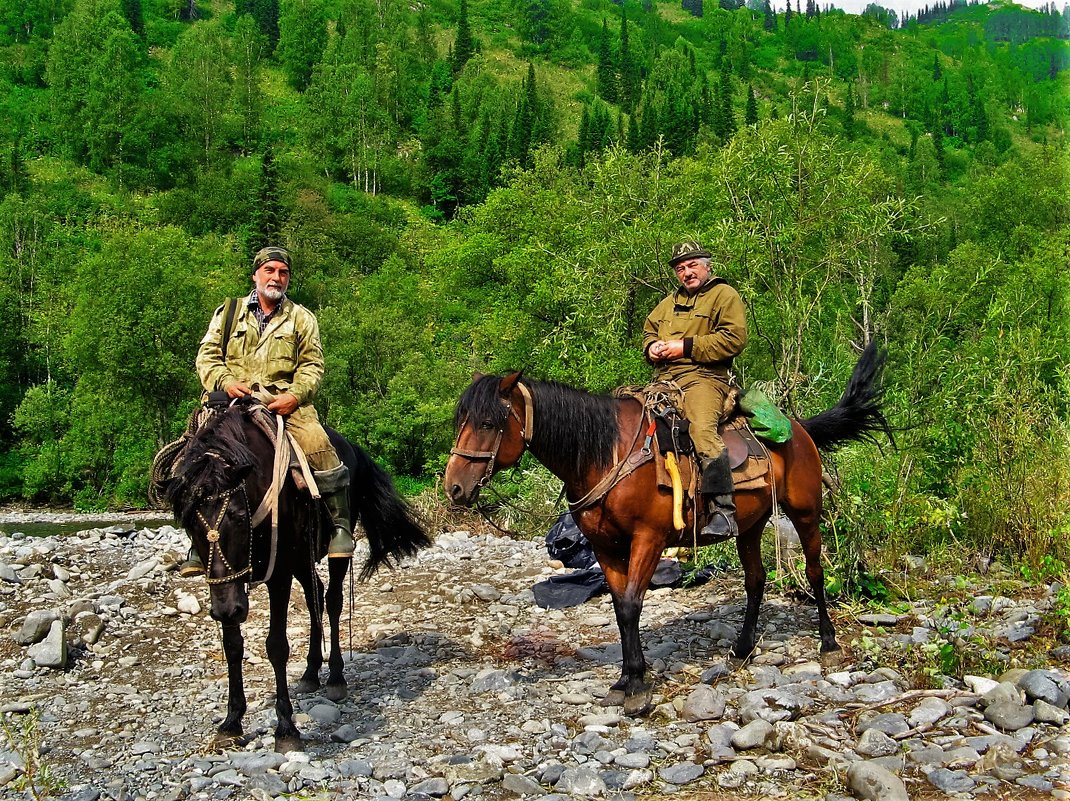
{"x": 1009, "y": 715}
{"x": 1043, "y": 712}
{"x": 86, "y": 628}
{"x": 1004, "y": 691}
{"x": 875, "y": 783}
{"x": 890, "y": 723}
{"x": 928, "y": 711}
{"x": 875, "y": 743}
{"x": 1045, "y": 686}
{"x": 753, "y": 735}
{"x": 438, "y": 787}
{"x": 35, "y": 627}
{"x": 704, "y": 703}
{"x": 52, "y": 650}
{"x": 980, "y": 684}
{"x": 875, "y": 693}
{"x": 684, "y": 773}
{"x": 582, "y": 780}
{"x": 635, "y": 761}
{"x": 951, "y": 781}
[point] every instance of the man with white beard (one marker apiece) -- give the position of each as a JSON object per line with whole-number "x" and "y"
{"x": 267, "y": 345}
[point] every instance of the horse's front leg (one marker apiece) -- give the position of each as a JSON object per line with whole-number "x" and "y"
{"x": 278, "y": 651}
{"x": 628, "y": 582}
{"x": 313, "y": 588}
{"x": 234, "y": 650}
{"x": 336, "y": 682}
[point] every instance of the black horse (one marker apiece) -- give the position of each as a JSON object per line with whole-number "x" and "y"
{"x": 224, "y": 474}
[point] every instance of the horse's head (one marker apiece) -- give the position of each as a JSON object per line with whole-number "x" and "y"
{"x": 209, "y": 496}
{"x": 493, "y": 422}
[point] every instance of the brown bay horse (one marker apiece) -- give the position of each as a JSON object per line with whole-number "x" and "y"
{"x": 580, "y": 437}
{"x": 224, "y": 473}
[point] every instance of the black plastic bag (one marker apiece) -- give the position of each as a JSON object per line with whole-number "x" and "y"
{"x": 566, "y": 543}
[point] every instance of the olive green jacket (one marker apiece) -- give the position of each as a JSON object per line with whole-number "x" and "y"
{"x": 712, "y": 323}
{"x": 287, "y": 357}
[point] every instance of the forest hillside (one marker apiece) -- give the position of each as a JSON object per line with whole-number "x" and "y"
{"x": 495, "y": 184}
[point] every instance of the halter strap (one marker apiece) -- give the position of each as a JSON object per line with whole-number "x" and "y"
{"x": 527, "y": 426}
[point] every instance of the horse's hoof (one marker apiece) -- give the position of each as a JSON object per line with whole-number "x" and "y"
{"x": 835, "y": 658}
{"x": 638, "y": 706}
{"x": 286, "y": 743}
{"x": 614, "y": 698}
{"x": 337, "y": 692}
{"x": 305, "y": 685}
{"x": 228, "y": 741}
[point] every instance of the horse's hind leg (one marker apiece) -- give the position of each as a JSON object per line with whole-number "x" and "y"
{"x": 806, "y": 524}
{"x": 278, "y": 651}
{"x": 749, "y": 548}
{"x": 336, "y": 682}
{"x": 313, "y": 589}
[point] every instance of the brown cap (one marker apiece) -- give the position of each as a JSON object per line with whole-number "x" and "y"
{"x": 271, "y": 253}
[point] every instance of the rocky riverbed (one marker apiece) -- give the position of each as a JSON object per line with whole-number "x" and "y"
{"x": 461, "y": 687}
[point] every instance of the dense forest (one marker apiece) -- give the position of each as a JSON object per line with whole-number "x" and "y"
{"x": 495, "y": 184}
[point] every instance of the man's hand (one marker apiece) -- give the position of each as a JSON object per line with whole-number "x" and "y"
{"x": 666, "y": 351}
{"x": 284, "y": 404}
{"x": 236, "y": 389}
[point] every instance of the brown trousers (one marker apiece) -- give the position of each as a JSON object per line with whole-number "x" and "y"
{"x": 704, "y": 399}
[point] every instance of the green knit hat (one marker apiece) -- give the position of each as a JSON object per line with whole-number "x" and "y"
{"x": 271, "y": 253}
{"x": 682, "y": 251}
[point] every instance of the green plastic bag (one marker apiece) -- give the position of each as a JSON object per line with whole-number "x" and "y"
{"x": 766, "y": 420}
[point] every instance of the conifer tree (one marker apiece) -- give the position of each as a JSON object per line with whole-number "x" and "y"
{"x": 606, "y": 71}
{"x": 132, "y": 12}
{"x": 18, "y": 178}
{"x": 750, "y": 116}
{"x": 629, "y": 69}
{"x": 769, "y": 22}
{"x": 464, "y": 45}
{"x": 583, "y": 141}
{"x": 937, "y": 72}
{"x": 267, "y": 227}
{"x": 726, "y": 118}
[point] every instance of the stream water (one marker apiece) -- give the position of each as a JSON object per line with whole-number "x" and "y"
{"x": 47, "y": 523}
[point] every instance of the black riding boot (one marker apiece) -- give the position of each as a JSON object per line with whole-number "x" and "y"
{"x": 717, "y": 489}
{"x": 334, "y": 492}
{"x": 193, "y": 566}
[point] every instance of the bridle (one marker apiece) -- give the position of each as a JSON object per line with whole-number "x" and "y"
{"x": 526, "y": 430}
{"x": 214, "y": 535}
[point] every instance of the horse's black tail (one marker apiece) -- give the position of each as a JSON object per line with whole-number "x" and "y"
{"x": 393, "y": 529}
{"x": 858, "y": 415}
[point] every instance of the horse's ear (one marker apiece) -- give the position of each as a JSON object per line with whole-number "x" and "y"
{"x": 239, "y": 472}
{"x": 476, "y": 376}
{"x": 507, "y": 384}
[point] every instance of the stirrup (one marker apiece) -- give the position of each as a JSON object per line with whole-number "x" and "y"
{"x": 193, "y": 566}
{"x": 341, "y": 545}
{"x": 721, "y": 525}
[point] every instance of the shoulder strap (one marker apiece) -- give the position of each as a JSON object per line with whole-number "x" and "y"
{"x": 228, "y": 323}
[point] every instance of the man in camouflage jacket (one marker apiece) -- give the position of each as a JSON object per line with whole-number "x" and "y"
{"x": 691, "y": 338}
{"x": 274, "y": 352}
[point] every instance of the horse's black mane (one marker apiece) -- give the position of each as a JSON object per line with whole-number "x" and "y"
{"x": 215, "y": 459}
{"x": 571, "y": 426}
